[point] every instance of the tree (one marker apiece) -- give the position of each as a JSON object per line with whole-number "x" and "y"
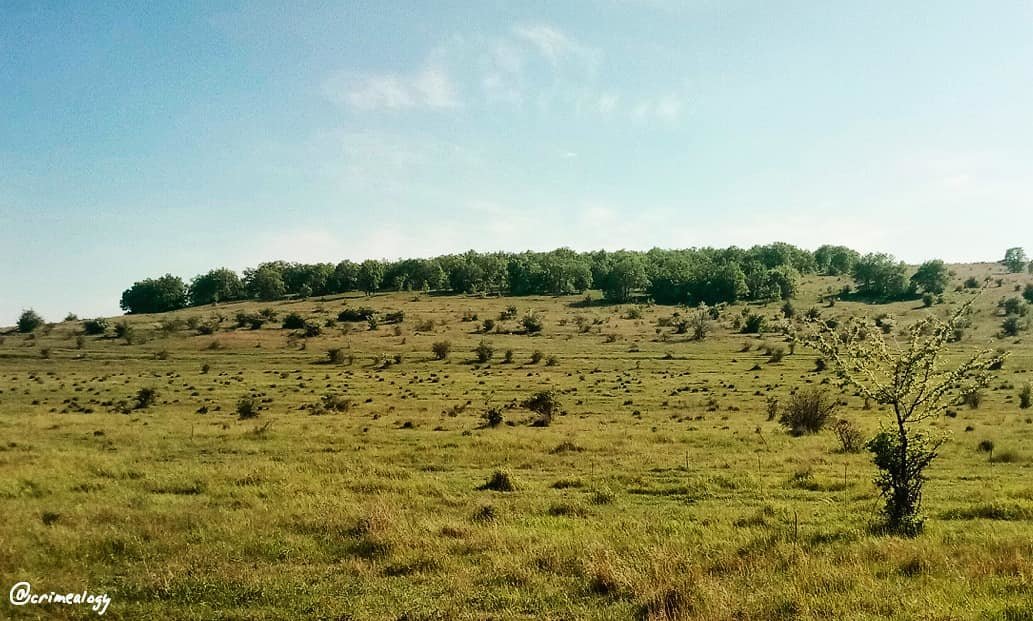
{"x": 265, "y": 283}
{"x": 371, "y": 275}
{"x": 155, "y": 295}
{"x": 880, "y": 275}
{"x": 931, "y": 277}
{"x": 345, "y": 277}
{"x": 835, "y": 260}
{"x": 917, "y": 382}
{"x": 218, "y": 285}
{"x": 1015, "y": 260}
{"x": 626, "y": 274}
{"x": 29, "y": 321}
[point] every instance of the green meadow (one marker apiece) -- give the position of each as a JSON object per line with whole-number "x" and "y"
{"x": 352, "y": 474}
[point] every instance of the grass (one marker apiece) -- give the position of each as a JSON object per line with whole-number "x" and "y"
{"x": 660, "y": 489}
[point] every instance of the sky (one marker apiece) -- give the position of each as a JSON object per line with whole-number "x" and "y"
{"x": 143, "y": 138}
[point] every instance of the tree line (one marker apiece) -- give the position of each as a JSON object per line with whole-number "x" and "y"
{"x": 668, "y": 276}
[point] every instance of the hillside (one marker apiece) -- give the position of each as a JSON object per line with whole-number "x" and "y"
{"x": 354, "y": 492}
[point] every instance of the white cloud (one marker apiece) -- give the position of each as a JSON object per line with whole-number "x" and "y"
{"x": 555, "y": 45}
{"x": 431, "y": 87}
{"x": 667, "y": 108}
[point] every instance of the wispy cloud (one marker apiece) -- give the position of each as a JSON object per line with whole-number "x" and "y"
{"x": 431, "y": 87}
{"x": 667, "y": 108}
{"x": 555, "y": 45}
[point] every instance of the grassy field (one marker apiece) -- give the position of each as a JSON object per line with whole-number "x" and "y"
{"x": 663, "y": 490}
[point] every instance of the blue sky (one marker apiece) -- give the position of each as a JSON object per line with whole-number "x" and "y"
{"x": 144, "y": 138}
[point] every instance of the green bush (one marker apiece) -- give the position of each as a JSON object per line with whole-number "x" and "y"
{"x": 29, "y": 321}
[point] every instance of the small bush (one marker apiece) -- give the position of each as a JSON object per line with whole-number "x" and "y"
{"x": 753, "y": 323}
{"x": 532, "y": 323}
{"x": 441, "y": 349}
{"x": 807, "y": 411}
{"x": 928, "y": 299}
{"x": 96, "y": 326}
{"x": 293, "y": 321}
{"x": 545, "y": 404}
{"x": 332, "y": 402}
{"x": 508, "y": 356}
{"x": 29, "y": 321}
{"x": 355, "y": 314}
{"x": 484, "y": 352}
{"x": 487, "y": 325}
{"x": 336, "y": 355}
{"x": 850, "y": 438}
{"x": 493, "y": 417}
{"x": 125, "y": 331}
{"x": 509, "y": 313}
{"x": 248, "y": 407}
{"x": 1013, "y": 325}
{"x": 145, "y": 397}
{"x": 394, "y": 317}
{"x": 536, "y": 356}
{"x": 1025, "y": 396}
{"x": 500, "y": 481}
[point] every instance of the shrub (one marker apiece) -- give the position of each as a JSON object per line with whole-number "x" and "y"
{"x": 928, "y": 299}
{"x": 248, "y": 407}
{"x": 508, "y": 356}
{"x": 532, "y": 323}
{"x": 1025, "y": 396}
{"x": 536, "y": 356}
{"x": 1014, "y": 306}
{"x": 95, "y": 326}
{"x": 484, "y": 352}
{"x": 971, "y": 282}
{"x": 332, "y": 402}
{"x": 776, "y": 353}
{"x": 973, "y": 399}
{"x": 394, "y": 317}
{"x": 441, "y": 349}
{"x": 145, "y": 397}
{"x": 293, "y": 321}
{"x": 29, "y": 321}
{"x": 552, "y": 361}
{"x": 807, "y": 411}
{"x": 788, "y": 310}
{"x": 355, "y": 314}
{"x": 124, "y": 331}
{"x": 335, "y": 355}
{"x": 312, "y": 330}
{"x": 545, "y": 404}
{"x": 488, "y": 325}
{"x": 493, "y": 417}
{"x": 509, "y": 313}
{"x": 1013, "y": 325}
{"x": 254, "y": 321}
{"x": 500, "y": 481}
{"x": 753, "y": 322}
{"x": 850, "y": 439}
{"x": 1027, "y": 293}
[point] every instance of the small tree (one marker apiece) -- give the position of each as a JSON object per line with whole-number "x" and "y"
{"x": 1015, "y": 260}
{"x": 29, "y": 321}
{"x": 95, "y": 326}
{"x": 699, "y": 321}
{"x": 484, "y": 352}
{"x": 912, "y": 379}
{"x": 532, "y": 323}
{"x": 441, "y": 349}
{"x": 807, "y": 411}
